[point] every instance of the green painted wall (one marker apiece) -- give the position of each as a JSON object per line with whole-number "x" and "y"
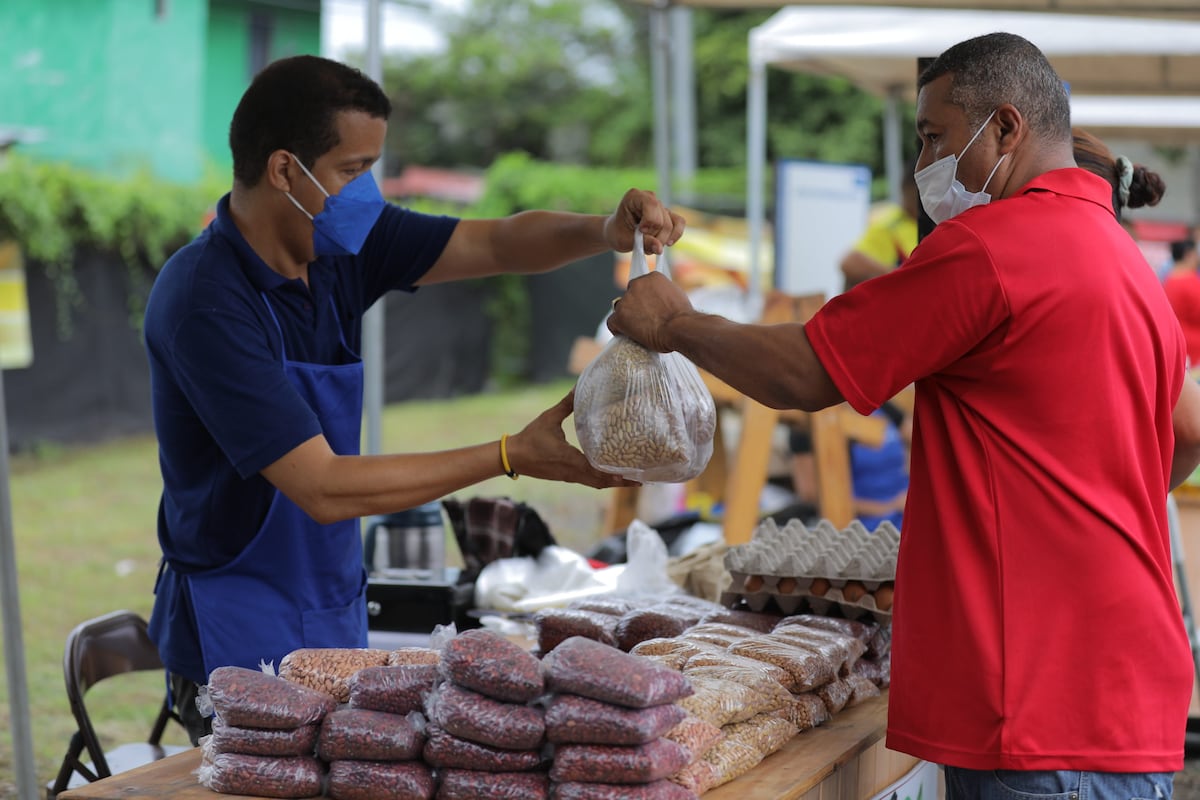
{"x": 122, "y": 85}
{"x": 228, "y": 69}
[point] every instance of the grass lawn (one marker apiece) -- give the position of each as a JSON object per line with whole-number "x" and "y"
{"x": 84, "y": 520}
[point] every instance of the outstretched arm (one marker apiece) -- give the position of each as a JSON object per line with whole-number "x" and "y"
{"x": 774, "y": 364}
{"x": 538, "y": 241}
{"x": 329, "y": 487}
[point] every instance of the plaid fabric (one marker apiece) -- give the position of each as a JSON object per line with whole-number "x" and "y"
{"x": 488, "y": 529}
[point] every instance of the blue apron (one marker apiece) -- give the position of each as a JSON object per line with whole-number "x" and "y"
{"x": 298, "y": 583}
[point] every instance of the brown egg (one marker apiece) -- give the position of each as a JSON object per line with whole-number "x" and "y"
{"x": 819, "y": 587}
{"x": 883, "y": 597}
{"x": 787, "y": 585}
{"x": 853, "y": 591}
{"x": 753, "y": 583}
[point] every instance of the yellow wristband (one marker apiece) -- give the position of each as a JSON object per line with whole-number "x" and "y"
{"x": 508, "y": 470}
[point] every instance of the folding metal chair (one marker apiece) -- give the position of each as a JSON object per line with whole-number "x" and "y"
{"x": 98, "y": 649}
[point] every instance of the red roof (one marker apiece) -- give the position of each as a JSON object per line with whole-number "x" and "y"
{"x": 439, "y": 184}
{"x": 1148, "y": 230}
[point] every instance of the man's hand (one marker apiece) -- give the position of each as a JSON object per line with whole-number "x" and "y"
{"x": 649, "y": 303}
{"x": 541, "y": 450}
{"x": 661, "y": 227}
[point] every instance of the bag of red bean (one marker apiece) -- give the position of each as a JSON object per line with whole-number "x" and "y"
{"x": 445, "y": 751}
{"x": 591, "y": 669}
{"x": 465, "y": 784}
{"x": 493, "y": 666}
{"x": 577, "y": 720}
{"x": 370, "y": 780}
{"x": 300, "y": 741}
{"x": 361, "y": 735}
{"x": 658, "y": 790}
{"x": 262, "y": 776}
{"x": 599, "y": 763}
{"x": 253, "y": 699}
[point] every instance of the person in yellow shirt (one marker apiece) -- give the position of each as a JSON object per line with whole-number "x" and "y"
{"x": 890, "y": 236}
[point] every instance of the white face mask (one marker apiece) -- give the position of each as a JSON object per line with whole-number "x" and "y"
{"x": 942, "y": 193}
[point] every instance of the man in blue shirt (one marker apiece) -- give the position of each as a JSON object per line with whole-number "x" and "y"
{"x": 253, "y": 331}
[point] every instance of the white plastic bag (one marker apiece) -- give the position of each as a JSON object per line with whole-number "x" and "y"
{"x": 643, "y": 415}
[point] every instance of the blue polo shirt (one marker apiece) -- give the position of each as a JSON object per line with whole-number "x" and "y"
{"x": 223, "y": 406}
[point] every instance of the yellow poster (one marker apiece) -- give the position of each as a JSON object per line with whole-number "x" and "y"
{"x": 16, "y": 342}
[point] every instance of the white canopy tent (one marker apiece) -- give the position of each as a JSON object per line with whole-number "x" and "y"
{"x": 877, "y": 48}
{"x": 1160, "y": 119}
{"x": 1161, "y": 8}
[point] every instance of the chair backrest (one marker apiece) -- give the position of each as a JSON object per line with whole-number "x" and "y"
{"x": 113, "y": 644}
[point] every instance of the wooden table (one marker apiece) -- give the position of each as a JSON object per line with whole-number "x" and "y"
{"x": 844, "y": 759}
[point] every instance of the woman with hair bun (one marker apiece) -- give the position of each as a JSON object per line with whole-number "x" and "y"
{"x": 1133, "y": 185}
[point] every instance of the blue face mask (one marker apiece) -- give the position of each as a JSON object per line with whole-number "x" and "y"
{"x": 342, "y": 226}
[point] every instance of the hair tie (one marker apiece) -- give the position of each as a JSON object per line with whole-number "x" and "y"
{"x": 1125, "y": 179}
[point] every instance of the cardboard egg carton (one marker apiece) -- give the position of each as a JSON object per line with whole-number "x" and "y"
{"x": 800, "y": 569}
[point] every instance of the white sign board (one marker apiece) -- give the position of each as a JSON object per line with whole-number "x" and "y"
{"x": 820, "y": 211}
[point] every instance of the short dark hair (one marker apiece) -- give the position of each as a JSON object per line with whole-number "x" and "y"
{"x": 293, "y": 105}
{"x": 1181, "y": 249}
{"x": 999, "y": 68}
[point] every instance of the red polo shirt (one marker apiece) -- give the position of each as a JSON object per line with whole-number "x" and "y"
{"x": 1183, "y": 293}
{"x": 1036, "y": 623}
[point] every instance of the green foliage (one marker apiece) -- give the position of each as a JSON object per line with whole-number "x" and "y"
{"x": 532, "y": 76}
{"x": 516, "y": 182}
{"x": 54, "y": 211}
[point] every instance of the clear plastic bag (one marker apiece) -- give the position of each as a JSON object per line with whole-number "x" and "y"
{"x": 476, "y": 718}
{"x": 368, "y": 780}
{"x": 591, "y": 669}
{"x": 696, "y": 735}
{"x": 262, "y": 776}
{"x": 601, "y": 763}
{"x": 656, "y": 790}
{"x": 396, "y": 690}
{"x": 300, "y": 741}
{"x": 577, "y": 720}
{"x": 252, "y": 699}
{"x": 721, "y": 702}
{"x": 493, "y": 666}
{"x": 329, "y": 669}
{"x": 361, "y": 735}
{"x": 646, "y": 416}
{"x": 444, "y": 751}
{"x": 805, "y": 711}
{"x": 466, "y": 784}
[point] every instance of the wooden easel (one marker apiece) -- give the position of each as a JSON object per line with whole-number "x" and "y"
{"x": 740, "y": 486}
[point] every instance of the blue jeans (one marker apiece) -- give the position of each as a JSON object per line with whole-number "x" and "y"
{"x": 1003, "y": 784}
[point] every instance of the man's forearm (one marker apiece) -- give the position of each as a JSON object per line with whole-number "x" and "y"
{"x": 773, "y": 364}
{"x": 539, "y": 241}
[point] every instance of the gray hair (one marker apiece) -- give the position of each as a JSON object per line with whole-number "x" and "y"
{"x": 998, "y": 68}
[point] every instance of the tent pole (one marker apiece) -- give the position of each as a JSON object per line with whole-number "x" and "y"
{"x": 893, "y": 155}
{"x": 373, "y": 319}
{"x": 756, "y": 156}
{"x": 683, "y": 82}
{"x": 14, "y": 645}
{"x": 660, "y": 45}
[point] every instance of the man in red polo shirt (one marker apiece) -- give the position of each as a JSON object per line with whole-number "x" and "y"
{"x": 1038, "y": 645}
